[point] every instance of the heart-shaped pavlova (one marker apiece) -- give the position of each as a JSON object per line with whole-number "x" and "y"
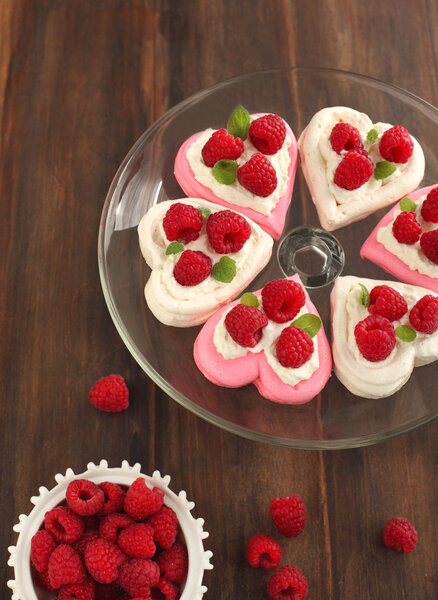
{"x": 354, "y": 167}
{"x": 272, "y": 338}
{"x": 248, "y": 167}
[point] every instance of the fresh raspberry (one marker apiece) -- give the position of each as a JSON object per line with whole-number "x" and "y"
{"x": 424, "y": 314}
{"x": 65, "y": 566}
{"x": 137, "y": 576}
{"x": 353, "y": 171}
{"x": 41, "y": 547}
{"x": 84, "y": 497}
{"x": 375, "y": 337}
{"x": 103, "y": 560}
{"x": 396, "y": 145}
{"x": 400, "y": 535}
{"x": 166, "y": 590}
{"x": 227, "y": 231}
{"x": 165, "y": 526}
{"x": 288, "y": 515}
{"x": 137, "y": 541}
{"x": 43, "y": 581}
{"x": 258, "y": 176}
{"x": 294, "y": 347}
{"x": 282, "y": 299}
{"x": 221, "y": 145}
{"x": 174, "y": 563}
{"x": 288, "y": 583}
{"x": 110, "y": 394}
{"x": 262, "y": 551}
{"x": 79, "y": 591}
{"x": 429, "y": 245}
{"x": 345, "y": 137}
{"x": 429, "y": 208}
{"x": 108, "y": 591}
{"x": 245, "y": 324}
{"x": 182, "y": 222}
{"x": 65, "y": 525}
{"x": 387, "y": 302}
{"x": 406, "y": 228}
{"x": 88, "y": 536}
{"x": 193, "y": 267}
{"x": 267, "y": 133}
{"x": 114, "y": 497}
{"x": 141, "y": 501}
{"x": 113, "y": 524}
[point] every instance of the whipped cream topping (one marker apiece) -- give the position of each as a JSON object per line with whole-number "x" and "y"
{"x": 236, "y": 193}
{"x": 229, "y": 349}
{"x": 410, "y": 254}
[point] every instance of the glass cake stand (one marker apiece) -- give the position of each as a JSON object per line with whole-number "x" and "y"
{"x": 335, "y": 418}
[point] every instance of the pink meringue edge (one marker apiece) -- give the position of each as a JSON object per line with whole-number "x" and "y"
{"x": 272, "y": 224}
{"x": 254, "y": 368}
{"x": 376, "y": 252}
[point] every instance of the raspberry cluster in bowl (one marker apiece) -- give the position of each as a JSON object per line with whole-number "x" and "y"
{"x": 109, "y": 533}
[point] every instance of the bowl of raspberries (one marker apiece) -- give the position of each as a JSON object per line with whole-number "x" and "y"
{"x": 109, "y": 534}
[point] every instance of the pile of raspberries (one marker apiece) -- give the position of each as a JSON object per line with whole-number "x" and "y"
{"x": 106, "y": 542}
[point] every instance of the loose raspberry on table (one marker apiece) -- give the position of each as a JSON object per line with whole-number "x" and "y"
{"x": 41, "y": 547}
{"x": 245, "y": 325}
{"x": 103, "y": 560}
{"x": 353, "y": 171}
{"x": 174, "y": 563}
{"x": 110, "y": 394}
{"x": 429, "y": 245}
{"x": 182, "y": 222}
{"x": 65, "y": 525}
{"x": 141, "y": 501}
{"x": 375, "y": 337}
{"x": 424, "y": 315}
{"x": 114, "y": 497}
{"x": 345, "y": 137}
{"x": 294, "y": 347}
{"x": 282, "y": 299}
{"x": 166, "y": 590}
{"x": 400, "y": 535}
{"x": 138, "y": 575}
{"x": 406, "y": 228}
{"x": 288, "y": 515}
{"x": 137, "y": 541}
{"x": 65, "y": 566}
{"x": 268, "y": 133}
{"x": 78, "y": 591}
{"x": 221, "y": 145}
{"x": 227, "y": 231}
{"x": 192, "y": 268}
{"x": 288, "y": 583}
{"x": 264, "y": 552}
{"x": 429, "y": 208}
{"x": 87, "y": 537}
{"x": 258, "y": 176}
{"x": 387, "y": 302}
{"x": 396, "y": 145}
{"x": 165, "y": 526}
{"x": 113, "y": 524}
{"x": 84, "y": 497}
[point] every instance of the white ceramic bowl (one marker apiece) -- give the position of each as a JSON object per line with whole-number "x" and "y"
{"x": 22, "y": 585}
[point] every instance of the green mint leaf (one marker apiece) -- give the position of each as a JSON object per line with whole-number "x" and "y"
{"x": 224, "y": 270}
{"x": 205, "y": 212}
{"x": 384, "y": 169}
{"x": 372, "y": 136}
{"x": 309, "y": 322}
{"x": 225, "y": 171}
{"x": 364, "y": 296}
{"x": 405, "y": 333}
{"x": 174, "y": 248}
{"x": 238, "y": 123}
{"x": 408, "y": 205}
{"x": 249, "y": 299}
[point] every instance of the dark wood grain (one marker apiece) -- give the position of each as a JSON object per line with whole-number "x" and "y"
{"x": 80, "y": 80}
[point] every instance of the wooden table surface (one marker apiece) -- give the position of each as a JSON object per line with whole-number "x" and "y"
{"x": 80, "y": 80}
